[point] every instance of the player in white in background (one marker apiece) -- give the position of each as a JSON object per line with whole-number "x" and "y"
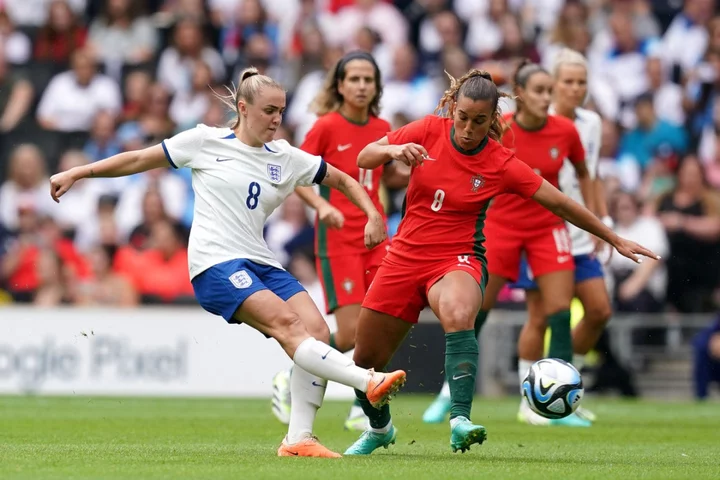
{"x": 569, "y": 92}
{"x": 239, "y": 176}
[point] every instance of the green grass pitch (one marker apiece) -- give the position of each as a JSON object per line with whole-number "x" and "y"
{"x": 112, "y": 438}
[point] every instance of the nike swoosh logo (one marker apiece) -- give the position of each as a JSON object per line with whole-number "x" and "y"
{"x": 328, "y": 353}
{"x": 342, "y": 148}
{"x": 224, "y": 159}
{"x": 293, "y": 453}
{"x": 381, "y": 382}
{"x": 458, "y": 377}
{"x": 316, "y": 384}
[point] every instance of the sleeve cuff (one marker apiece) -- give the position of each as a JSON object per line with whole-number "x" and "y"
{"x": 167, "y": 155}
{"x": 319, "y": 176}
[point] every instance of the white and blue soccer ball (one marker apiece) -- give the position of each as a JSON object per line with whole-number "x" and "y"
{"x": 553, "y": 388}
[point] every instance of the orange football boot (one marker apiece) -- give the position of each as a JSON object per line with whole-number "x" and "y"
{"x": 382, "y": 386}
{"x": 307, "y": 447}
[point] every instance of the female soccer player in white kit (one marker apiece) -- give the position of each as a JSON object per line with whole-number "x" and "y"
{"x": 239, "y": 176}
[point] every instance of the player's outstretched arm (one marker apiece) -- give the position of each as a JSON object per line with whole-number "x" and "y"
{"x": 375, "y": 232}
{"x": 329, "y": 215}
{"x": 381, "y": 152}
{"x": 120, "y": 165}
{"x": 566, "y": 208}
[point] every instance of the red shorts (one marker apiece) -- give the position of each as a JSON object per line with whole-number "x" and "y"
{"x": 346, "y": 278}
{"x": 401, "y": 290}
{"x": 547, "y": 251}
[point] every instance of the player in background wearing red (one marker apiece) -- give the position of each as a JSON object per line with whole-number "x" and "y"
{"x": 518, "y": 227}
{"x": 569, "y": 92}
{"x": 437, "y": 258}
{"x": 348, "y": 108}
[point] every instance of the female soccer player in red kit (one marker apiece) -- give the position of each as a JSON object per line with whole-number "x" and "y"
{"x": 437, "y": 257}
{"x": 518, "y": 226}
{"x": 348, "y": 108}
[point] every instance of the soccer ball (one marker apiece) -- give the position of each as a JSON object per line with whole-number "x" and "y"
{"x": 553, "y": 388}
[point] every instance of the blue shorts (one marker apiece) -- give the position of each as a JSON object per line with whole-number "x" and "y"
{"x": 586, "y": 267}
{"x": 222, "y": 288}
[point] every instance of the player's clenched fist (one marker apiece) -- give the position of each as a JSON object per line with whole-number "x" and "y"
{"x": 60, "y": 183}
{"x": 375, "y": 232}
{"x": 410, "y": 154}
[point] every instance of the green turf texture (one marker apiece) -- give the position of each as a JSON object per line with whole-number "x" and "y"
{"x": 111, "y": 438}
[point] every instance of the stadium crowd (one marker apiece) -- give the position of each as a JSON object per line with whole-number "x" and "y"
{"x": 81, "y": 80}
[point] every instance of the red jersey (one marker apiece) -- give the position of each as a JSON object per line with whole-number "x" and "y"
{"x": 339, "y": 141}
{"x": 544, "y": 151}
{"x": 447, "y": 198}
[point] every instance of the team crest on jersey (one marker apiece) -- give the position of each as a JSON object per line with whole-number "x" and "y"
{"x": 477, "y": 182}
{"x": 274, "y": 172}
{"x": 241, "y": 279}
{"x": 554, "y": 153}
{"x": 348, "y": 285}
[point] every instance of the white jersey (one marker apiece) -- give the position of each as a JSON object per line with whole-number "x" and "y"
{"x": 589, "y": 127}
{"x": 236, "y": 188}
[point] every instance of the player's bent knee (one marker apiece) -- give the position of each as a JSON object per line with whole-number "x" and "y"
{"x": 598, "y": 314}
{"x": 287, "y": 328}
{"x": 457, "y": 316}
{"x": 319, "y": 331}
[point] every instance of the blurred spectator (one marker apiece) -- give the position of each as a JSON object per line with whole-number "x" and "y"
{"x": 513, "y": 47}
{"x": 188, "y": 108}
{"x": 618, "y": 66}
{"x": 382, "y": 17}
{"x": 102, "y": 142}
{"x": 667, "y": 96}
{"x": 73, "y": 98}
{"x": 686, "y": 40}
{"x": 53, "y": 286}
{"x": 137, "y": 95}
{"x": 485, "y": 35}
{"x": 250, "y": 18}
{"x": 15, "y": 45}
{"x": 35, "y": 235}
{"x": 175, "y": 67}
{"x": 153, "y": 212}
{"x": 706, "y": 368}
{"x": 27, "y": 184}
{"x": 288, "y": 221}
{"x": 34, "y": 13}
{"x": 570, "y": 31}
{"x": 639, "y": 287}
{"x": 139, "y": 205}
{"x": 122, "y": 35}
{"x": 691, "y": 216}
{"x": 653, "y": 137}
{"x": 16, "y": 96}
{"x": 153, "y": 123}
{"x": 106, "y": 287}
{"x": 298, "y": 114}
{"x": 408, "y": 91}
{"x": 61, "y": 35}
{"x": 159, "y": 273}
{"x": 78, "y": 205}
{"x": 100, "y": 228}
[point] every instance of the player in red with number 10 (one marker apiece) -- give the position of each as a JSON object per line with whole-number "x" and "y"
{"x": 437, "y": 257}
{"x": 347, "y": 107}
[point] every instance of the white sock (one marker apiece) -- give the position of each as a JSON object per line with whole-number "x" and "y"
{"x": 579, "y": 361}
{"x": 384, "y": 429}
{"x": 307, "y": 392}
{"x": 445, "y": 391}
{"x": 324, "y": 361}
{"x": 523, "y": 368}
